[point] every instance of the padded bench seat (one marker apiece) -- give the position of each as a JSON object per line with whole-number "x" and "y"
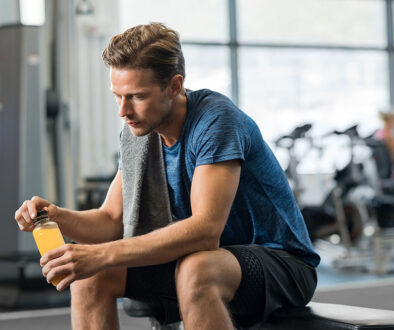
{"x": 315, "y": 316}
{"x": 322, "y": 316}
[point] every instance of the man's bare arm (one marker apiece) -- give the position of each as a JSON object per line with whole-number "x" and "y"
{"x": 91, "y": 226}
{"x": 212, "y": 194}
{"x": 96, "y": 225}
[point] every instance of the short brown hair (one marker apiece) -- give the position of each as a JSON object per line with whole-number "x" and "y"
{"x": 153, "y": 46}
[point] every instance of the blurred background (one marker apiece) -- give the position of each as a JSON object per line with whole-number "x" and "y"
{"x": 316, "y": 75}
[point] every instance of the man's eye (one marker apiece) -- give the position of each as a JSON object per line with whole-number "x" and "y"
{"x": 141, "y": 96}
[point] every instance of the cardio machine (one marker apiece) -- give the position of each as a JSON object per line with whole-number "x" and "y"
{"x": 340, "y": 212}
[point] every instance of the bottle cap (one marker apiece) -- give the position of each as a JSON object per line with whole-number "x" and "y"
{"x": 40, "y": 216}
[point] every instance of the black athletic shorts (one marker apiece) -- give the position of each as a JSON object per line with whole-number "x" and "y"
{"x": 271, "y": 279}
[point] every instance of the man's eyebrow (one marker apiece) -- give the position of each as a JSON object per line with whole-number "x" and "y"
{"x": 143, "y": 91}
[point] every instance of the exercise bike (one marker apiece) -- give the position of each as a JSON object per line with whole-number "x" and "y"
{"x": 342, "y": 212}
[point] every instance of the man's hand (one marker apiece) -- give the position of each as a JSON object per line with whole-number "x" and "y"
{"x": 28, "y": 211}
{"x": 73, "y": 261}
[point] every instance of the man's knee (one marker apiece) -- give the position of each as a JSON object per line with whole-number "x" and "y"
{"x": 197, "y": 278}
{"x": 107, "y": 283}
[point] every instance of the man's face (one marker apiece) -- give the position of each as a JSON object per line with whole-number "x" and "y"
{"x": 142, "y": 103}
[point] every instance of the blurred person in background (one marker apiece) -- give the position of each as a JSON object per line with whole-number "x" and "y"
{"x": 386, "y": 133}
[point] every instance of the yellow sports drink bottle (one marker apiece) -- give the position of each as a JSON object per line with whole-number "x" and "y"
{"x": 47, "y": 236}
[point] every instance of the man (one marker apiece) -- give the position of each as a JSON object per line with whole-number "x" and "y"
{"x": 238, "y": 247}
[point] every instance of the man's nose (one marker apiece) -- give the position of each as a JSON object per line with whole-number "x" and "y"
{"x": 124, "y": 107}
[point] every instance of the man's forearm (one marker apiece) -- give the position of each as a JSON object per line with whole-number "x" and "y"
{"x": 162, "y": 245}
{"x": 89, "y": 227}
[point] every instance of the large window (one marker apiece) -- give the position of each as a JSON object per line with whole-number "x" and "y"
{"x": 203, "y": 20}
{"x": 335, "y": 22}
{"x": 207, "y": 67}
{"x": 318, "y": 61}
{"x": 333, "y": 89}
{"x": 284, "y": 62}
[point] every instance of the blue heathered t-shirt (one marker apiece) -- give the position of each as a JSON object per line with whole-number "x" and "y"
{"x": 264, "y": 210}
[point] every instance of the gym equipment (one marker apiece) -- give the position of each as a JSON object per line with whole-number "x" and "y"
{"x": 329, "y": 317}
{"x": 341, "y": 212}
{"x": 314, "y": 316}
{"x": 22, "y": 133}
{"x": 361, "y": 196}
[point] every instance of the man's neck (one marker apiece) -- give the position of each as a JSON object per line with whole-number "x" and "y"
{"x": 173, "y": 128}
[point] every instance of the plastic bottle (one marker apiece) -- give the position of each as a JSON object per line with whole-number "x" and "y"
{"x": 47, "y": 236}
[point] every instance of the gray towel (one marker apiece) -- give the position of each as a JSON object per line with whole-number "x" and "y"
{"x": 146, "y": 204}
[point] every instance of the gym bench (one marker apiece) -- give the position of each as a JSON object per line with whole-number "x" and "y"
{"x": 315, "y": 316}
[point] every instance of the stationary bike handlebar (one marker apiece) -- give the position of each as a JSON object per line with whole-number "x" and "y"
{"x": 351, "y": 132}
{"x": 297, "y": 133}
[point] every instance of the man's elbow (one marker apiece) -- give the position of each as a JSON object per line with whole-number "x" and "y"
{"x": 111, "y": 214}
{"x": 212, "y": 239}
{"x": 114, "y": 222}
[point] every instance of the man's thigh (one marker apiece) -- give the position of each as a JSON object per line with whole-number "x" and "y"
{"x": 156, "y": 285}
{"x": 220, "y": 267}
{"x": 268, "y": 279}
{"x": 145, "y": 283}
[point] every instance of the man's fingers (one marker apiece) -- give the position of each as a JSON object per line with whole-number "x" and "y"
{"x": 58, "y": 272}
{"x": 26, "y": 216}
{"x": 40, "y": 202}
{"x": 63, "y": 273}
{"x": 35, "y": 204}
{"x": 53, "y": 263}
{"x": 46, "y": 269}
{"x": 55, "y": 253}
{"x": 23, "y": 219}
{"x": 32, "y": 208}
{"x": 65, "y": 282}
{"x": 28, "y": 211}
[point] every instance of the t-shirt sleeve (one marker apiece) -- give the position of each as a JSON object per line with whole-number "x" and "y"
{"x": 220, "y": 136}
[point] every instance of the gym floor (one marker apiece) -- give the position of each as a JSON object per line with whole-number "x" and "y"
{"x": 342, "y": 285}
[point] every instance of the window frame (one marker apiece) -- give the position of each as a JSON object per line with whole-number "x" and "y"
{"x": 233, "y": 44}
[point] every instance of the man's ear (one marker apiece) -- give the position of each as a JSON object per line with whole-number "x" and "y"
{"x": 176, "y": 85}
